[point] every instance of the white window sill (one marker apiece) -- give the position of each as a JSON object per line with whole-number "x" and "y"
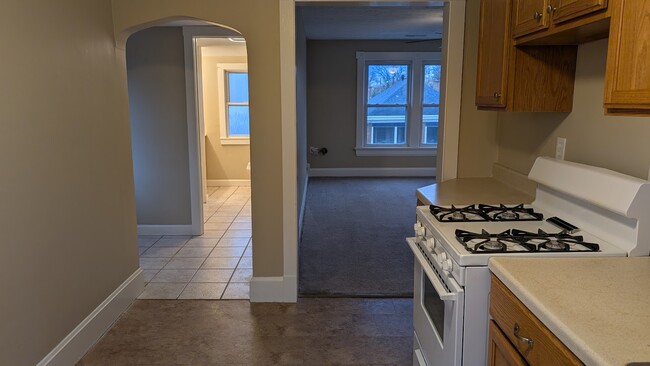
{"x": 236, "y": 141}
{"x": 395, "y": 151}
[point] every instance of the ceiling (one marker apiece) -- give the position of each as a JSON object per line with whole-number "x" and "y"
{"x": 372, "y": 22}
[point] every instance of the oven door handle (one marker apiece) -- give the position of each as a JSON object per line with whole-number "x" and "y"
{"x": 444, "y": 294}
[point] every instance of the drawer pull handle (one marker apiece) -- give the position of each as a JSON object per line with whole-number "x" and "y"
{"x": 528, "y": 341}
{"x": 537, "y": 16}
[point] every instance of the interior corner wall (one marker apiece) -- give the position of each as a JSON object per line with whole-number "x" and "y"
{"x": 223, "y": 162}
{"x": 156, "y": 78}
{"x": 477, "y": 145}
{"x": 301, "y": 106}
{"x": 332, "y": 103}
{"x": 68, "y": 210}
{"x": 612, "y": 142}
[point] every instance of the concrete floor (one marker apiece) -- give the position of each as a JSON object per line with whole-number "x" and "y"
{"x": 236, "y": 332}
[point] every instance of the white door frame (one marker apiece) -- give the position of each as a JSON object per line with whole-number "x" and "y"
{"x": 452, "y": 50}
{"x": 195, "y": 125}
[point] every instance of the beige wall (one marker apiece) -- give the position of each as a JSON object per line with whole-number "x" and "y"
{"x": 332, "y": 101}
{"x": 156, "y": 77}
{"x": 68, "y": 210}
{"x": 259, "y": 22}
{"x": 477, "y": 149}
{"x": 222, "y": 161}
{"x": 618, "y": 143}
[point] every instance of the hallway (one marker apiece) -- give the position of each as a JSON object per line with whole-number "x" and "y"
{"x": 215, "y": 265}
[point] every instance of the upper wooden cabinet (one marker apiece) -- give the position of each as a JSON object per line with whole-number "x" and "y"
{"x": 552, "y": 22}
{"x": 529, "y": 16}
{"x": 520, "y": 79}
{"x": 563, "y": 10}
{"x": 627, "y": 81}
{"x": 494, "y": 48}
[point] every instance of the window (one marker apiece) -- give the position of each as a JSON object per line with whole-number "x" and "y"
{"x": 398, "y": 103}
{"x": 234, "y": 112}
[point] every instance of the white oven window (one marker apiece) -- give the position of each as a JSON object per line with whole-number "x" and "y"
{"x": 434, "y": 306}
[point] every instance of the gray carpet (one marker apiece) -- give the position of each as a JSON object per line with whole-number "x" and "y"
{"x": 353, "y": 239}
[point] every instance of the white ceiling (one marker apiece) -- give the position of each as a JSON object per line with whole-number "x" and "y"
{"x": 372, "y": 22}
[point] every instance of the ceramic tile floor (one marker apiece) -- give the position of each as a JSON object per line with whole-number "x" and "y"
{"x": 215, "y": 265}
{"x": 230, "y": 333}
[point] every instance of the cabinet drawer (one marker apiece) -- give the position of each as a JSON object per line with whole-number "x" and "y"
{"x": 510, "y": 314}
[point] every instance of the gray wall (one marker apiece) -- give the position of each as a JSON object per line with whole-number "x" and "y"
{"x": 613, "y": 142}
{"x": 332, "y": 100}
{"x": 67, "y": 216}
{"x": 156, "y": 77}
{"x": 301, "y": 105}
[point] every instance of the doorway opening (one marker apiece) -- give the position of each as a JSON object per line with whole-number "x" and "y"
{"x": 194, "y": 232}
{"x": 373, "y": 77}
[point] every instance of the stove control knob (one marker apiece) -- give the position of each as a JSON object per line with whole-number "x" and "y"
{"x": 446, "y": 265}
{"x": 431, "y": 243}
{"x": 419, "y": 229}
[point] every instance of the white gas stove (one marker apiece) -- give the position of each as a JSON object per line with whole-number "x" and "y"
{"x": 592, "y": 212}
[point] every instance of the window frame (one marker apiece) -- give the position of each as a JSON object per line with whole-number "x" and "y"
{"x": 414, "y": 145}
{"x": 222, "y": 71}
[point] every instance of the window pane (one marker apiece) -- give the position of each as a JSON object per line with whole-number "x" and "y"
{"x": 238, "y": 120}
{"x": 387, "y": 84}
{"x": 386, "y": 125}
{"x": 431, "y": 84}
{"x": 238, "y": 87}
{"x": 430, "y": 125}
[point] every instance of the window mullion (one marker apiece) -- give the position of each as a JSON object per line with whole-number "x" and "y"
{"x": 415, "y": 115}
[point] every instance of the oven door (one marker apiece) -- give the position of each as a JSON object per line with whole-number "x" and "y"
{"x": 438, "y": 303}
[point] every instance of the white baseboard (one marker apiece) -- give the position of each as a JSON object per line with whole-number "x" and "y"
{"x": 229, "y": 182}
{"x": 274, "y": 289}
{"x": 75, "y": 345}
{"x": 165, "y": 230}
{"x": 372, "y": 172}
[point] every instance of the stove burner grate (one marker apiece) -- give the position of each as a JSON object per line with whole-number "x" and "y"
{"x": 518, "y": 241}
{"x": 458, "y": 214}
{"x": 510, "y": 213}
{"x": 483, "y": 212}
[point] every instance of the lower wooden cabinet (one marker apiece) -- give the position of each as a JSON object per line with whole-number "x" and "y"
{"x": 526, "y": 335}
{"x": 500, "y": 351}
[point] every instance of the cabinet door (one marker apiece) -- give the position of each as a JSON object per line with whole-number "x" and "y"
{"x": 529, "y": 16}
{"x": 564, "y": 10}
{"x": 500, "y": 351}
{"x": 493, "y": 51}
{"x": 627, "y": 82}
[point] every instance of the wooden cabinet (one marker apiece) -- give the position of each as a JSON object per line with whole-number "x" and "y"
{"x": 627, "y": 81}
{"x": 535, "y": 343}
{"x": 494, "y": 49}
{"x": 529, "y": 16}
{"x": 520, "y": 79}
{"x": 500, "y": 351}
{"x": 554, "y": 22}
{"x": 563, "y": 10}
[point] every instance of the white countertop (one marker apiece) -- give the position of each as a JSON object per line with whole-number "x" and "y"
{"x": 598, "y": 307}
{"x": 469, "y": 191}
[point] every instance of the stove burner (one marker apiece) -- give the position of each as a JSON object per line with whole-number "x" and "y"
{"x": 510, "y": 213}
{"x": 517, "y": 241}
{"x": 457, "y": 214}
